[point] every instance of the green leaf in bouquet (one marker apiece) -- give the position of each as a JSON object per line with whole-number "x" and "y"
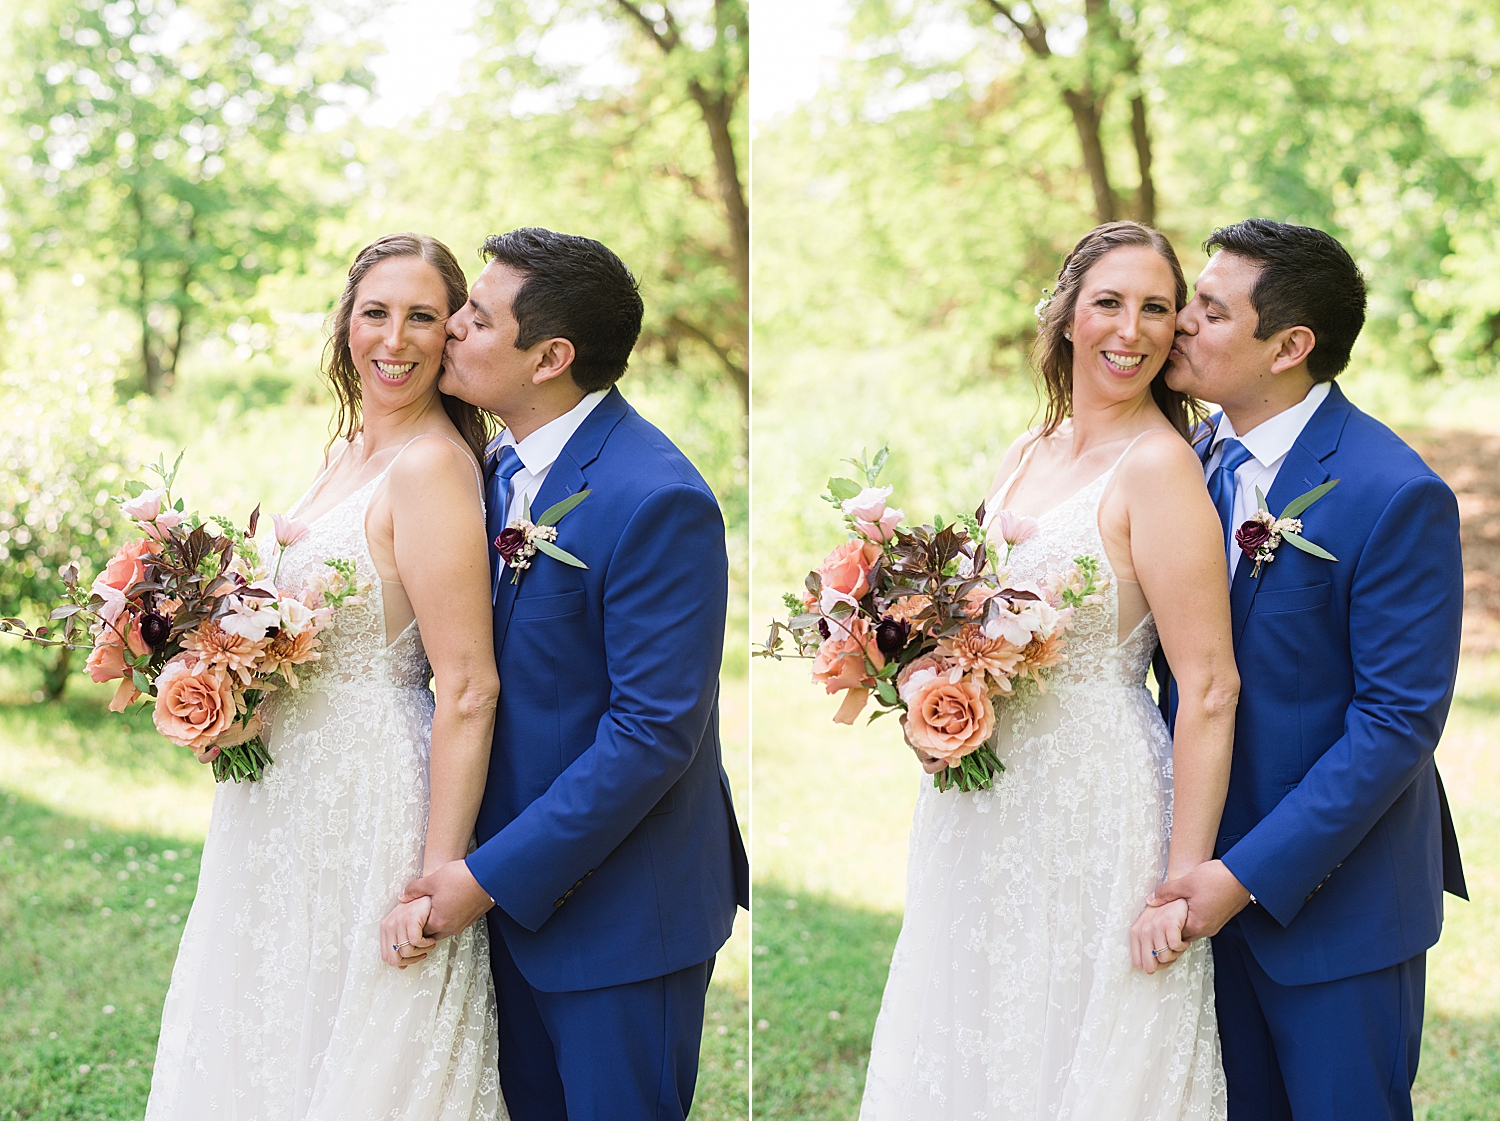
{"x": 1306, "y": 546}
{"x": 555, "y": 553}
{"x": 135, "y": 488}
{"x": 803, "y": 621}
{"x": 791, "y": 602}
{"x": 878, "y": 713}
{"x": 138, "y": 679}
{"x": 887, "y": 692}
{"x": 843, "y": 489}
{"x": 65, "y": 611}
{"x": 1297, "y": 505}
{"x": 878, "y": 463}
{"x": 554, "y": 513}
{"x": 813, "y": 583}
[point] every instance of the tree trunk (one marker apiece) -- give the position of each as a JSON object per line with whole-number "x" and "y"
{"x": 1145, "y": 202}
{"x": 55, "y": 681}
{"x": 1086, "y": 118}
{"x": 718, "y": 111}
{"x": 169, "y": 371}
{"x": 150, "y": 360}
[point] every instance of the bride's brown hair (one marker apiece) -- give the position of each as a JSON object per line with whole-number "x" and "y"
{"x": 473, "y": 423}
{"x": 1052, "y": 356}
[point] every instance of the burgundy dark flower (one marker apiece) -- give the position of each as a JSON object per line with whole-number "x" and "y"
{"x": 156, "y": 628}
{"x": 509, "y": 543}
{"x": 1251, "y": 536}
{"x": 891, "y": 635}
{"x": 823, "y": 628}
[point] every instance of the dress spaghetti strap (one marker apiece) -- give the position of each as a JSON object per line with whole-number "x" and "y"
{"x": 478, "y": 478}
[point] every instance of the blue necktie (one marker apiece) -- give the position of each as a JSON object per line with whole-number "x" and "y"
{"x": 497, "y": 499}
{"x": 1221, "y": 483}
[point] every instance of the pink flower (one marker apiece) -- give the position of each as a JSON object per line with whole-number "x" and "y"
{"x": 127, "y": 567}
{"x": 107, "y": 658}
{"x": 166, "y": 520}
{"x": 847, "y": 568}
{"x": 289, "y": 530}
{"x": 1012, "y": 528}
{"x": 883, "y": 529}
{"x": 948, "y": 716}
{"x": 146, "y": 506}
{"x": 192, "y": 709}
{"x": 868, "y": 505}
{"x": 840, "y": 660}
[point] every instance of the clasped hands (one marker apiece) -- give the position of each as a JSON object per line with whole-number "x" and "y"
{"x": 1182, "y": 910}
{"x": 438, "y": 905}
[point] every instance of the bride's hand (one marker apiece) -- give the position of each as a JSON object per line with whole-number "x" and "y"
{"x": 1158, "y": 929}
{"x": 929, "y": 764}
{"x": 402, "y": 941}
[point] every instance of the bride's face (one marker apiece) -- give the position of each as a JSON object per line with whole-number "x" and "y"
{"x": 397, "y": 331}
{"x": 1123, "y": 324}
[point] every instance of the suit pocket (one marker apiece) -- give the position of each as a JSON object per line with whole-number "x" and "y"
{"x": 549, "y": 607}
{"x": 1293, "y": 599}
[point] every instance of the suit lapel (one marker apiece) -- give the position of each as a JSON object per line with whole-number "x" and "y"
{"x": 1301, "y": 471}
{"x": 564, "y": 477}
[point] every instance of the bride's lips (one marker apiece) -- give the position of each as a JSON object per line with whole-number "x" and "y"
{"x": 1121, "y": 362}
{"x": 393, "y": 371}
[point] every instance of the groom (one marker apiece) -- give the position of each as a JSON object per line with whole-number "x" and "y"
{"x": 609, "y": 862}
{"x": 1336, "y": 844}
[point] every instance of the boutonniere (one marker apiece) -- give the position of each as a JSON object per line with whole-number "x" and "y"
{"x": 1259, "y": 537}
{"x": 524, "y": 538}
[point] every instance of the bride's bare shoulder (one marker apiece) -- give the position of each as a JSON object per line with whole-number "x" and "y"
{"x": 1012, "y": 458}
{"x": 1161, "y": 458}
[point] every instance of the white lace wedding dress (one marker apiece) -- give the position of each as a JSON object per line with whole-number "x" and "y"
{"x": 1011, "y": 992}
{"x": 280, "y": 1007}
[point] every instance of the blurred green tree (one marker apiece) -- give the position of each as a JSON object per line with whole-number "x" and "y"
{"x": 64, "y": 449}
{"x": 659, "y": 156}
{"x": 149, "y": 140}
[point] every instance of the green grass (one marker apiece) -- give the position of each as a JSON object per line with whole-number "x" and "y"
{"x": 91, "y": 952}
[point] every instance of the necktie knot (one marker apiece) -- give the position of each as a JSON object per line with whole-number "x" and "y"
{"x": 507, "y": 463}
{"x": 1232, "y": 455}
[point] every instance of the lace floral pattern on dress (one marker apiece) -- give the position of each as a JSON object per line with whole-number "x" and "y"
{"x": 280, "y": 1007}
{"x": 1011, "y": 992}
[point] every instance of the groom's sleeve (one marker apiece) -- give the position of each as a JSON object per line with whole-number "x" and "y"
{"x": 1405, "y": 620}
{"x": 666, "y": 587}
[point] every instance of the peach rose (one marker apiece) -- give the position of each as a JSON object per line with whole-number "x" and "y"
{"x": 840, "y": 660}
{"x": 107, "y": 658}
{"x": 948, "y": 719}
{"x": 908, "y": 608}
{"x": 192, "y": 709}
{"x": 847, "y": 568}
{"x": 126, "y": 568}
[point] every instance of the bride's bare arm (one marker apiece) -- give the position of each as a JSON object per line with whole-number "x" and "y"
{"x": 443, "y": 564}
{"x": 1177, "y": 551}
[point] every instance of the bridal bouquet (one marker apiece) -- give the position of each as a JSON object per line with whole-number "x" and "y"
{"x": 186, "y": 617}
{"x": 927, "y": 621}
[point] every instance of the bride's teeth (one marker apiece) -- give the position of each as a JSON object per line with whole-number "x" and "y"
{"x": 1125, "y": 362}
{"x": 395, "y": 370}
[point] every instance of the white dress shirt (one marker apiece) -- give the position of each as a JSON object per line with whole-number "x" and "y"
{"x": 539, "y": 451}
{"x": 1268, "y": 443}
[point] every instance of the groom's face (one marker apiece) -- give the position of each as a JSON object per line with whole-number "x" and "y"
{"x": 481, "y": 364}
{"x": 1216, "y": 356}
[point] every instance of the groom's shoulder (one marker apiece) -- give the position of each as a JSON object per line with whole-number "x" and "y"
{"x": 641, "y": 457}
{"x": 1382, "y": 453}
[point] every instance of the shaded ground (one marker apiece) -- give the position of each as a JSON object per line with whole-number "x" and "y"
{"x": 1470, "y": 463}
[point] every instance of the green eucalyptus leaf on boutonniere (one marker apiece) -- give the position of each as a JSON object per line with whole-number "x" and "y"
{"x": 1306, "y": 546}
{"x": 1297, "y": 505}
{"x": 554, "y": 513}
{"x": 551, "y": 550}
{"x": 1260, "y": 500}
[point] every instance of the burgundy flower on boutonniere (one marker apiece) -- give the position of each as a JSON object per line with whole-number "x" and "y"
{"x": 510, "y": 542}
{"x": 1251, "y": 536}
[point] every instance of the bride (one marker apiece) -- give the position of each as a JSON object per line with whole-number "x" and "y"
{"x": 1028, "y": 980}
{"x": 286, "y": 999}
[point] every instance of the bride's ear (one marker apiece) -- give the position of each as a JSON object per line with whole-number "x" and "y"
{"x": 555, "y": 359}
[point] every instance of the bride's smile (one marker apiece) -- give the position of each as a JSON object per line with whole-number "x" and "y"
{"x": 398, "y": 329}
{"x": 1124, "y": 323}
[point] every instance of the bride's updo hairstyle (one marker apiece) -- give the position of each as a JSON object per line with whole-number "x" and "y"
{"x": 1052, "y": 356}
{"x": 473, "y": 423}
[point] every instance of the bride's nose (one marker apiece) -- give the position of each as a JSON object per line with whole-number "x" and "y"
{"x": 1130, "y": 326}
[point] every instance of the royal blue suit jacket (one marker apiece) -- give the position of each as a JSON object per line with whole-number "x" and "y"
{"x": 607, "y": 835}
{"x": 1336, "y": 820}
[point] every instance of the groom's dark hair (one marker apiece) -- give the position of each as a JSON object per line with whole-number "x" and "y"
{"x": 575, "y": 289}
{"x": 1307, "y": 279}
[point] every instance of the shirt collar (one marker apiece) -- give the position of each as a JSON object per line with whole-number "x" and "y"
{"x": 1271, "y": 439}
{"x": 540, "y": 450}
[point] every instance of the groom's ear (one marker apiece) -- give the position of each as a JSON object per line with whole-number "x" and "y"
{"x": 1296, "y": 343}
{"x": 554, "y": 358}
